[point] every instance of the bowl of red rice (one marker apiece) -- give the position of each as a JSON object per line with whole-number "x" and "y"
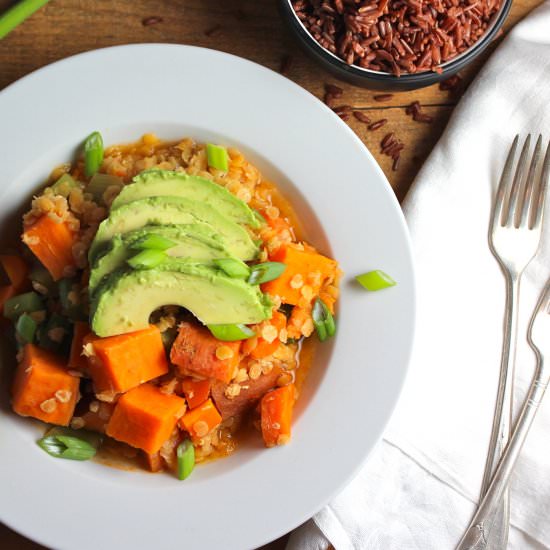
{"x": 394, "y": 44}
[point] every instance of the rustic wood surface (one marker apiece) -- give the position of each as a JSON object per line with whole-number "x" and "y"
{"x": 248, "y": 28}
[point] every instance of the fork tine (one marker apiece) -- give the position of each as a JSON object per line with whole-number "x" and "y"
{"x": 504, "y": 183}
{"x": 509, "y": 215}
{"x": 525, "y": 198}
{"x": 539, "y": 194}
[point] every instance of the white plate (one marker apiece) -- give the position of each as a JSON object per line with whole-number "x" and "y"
{"x": 348, "y": 209}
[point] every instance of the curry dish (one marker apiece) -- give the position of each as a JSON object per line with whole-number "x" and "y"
{"x": 163, "y": 300}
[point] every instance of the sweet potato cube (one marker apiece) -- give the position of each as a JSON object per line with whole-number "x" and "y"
{"x": 51, "y": 241}
{"x": 197, "y": 353}
{"x": 196, "y": 391}
{"x": 120, "y": 363}
{"x": 43, "y": 388}
{"x": 202, "y": 420}
{"x": 276, "y": 415}
{"x": 312, "y": 267}
{"x": 145, "y": 417}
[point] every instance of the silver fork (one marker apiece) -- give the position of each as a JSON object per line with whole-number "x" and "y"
{"x": 539, "y": 339}
{"x": 514, "y": 238}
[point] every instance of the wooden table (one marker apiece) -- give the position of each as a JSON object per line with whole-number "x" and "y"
{"x": 248, "y": 28}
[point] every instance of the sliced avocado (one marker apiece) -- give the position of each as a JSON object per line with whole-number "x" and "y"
{"x": 157, "y": 183}
{"x": 125, "y": 301}
{"x": 192, "y": 241}
{"x": 174, "y": 210}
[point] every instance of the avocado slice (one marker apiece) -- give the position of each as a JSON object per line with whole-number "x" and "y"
{"x": 125, "y": 301}
{"x": 174, "y": 210}
{"x": 157, "y": 183}
{"x": 193, "y": 241}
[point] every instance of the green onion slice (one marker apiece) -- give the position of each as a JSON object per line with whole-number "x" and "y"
{"x": 70, "y": 444}
{"x": 323, "y": 320}
{"x": 100, "y": 183}
{"x": 233, "y": 267}
{"x": 186, "y": 459}
{"x": 262, "y": 273}
{"x": 375, "y": 280}
{"x": 147, "y": 259}
{"x": 152, "y": 241}
{"x": 22, "y": 303}
{"x": 231, "y": 333}
{"x": 217, "y": 157}
{"x": 93, "y": 153}
{"x": 25, "y": 329}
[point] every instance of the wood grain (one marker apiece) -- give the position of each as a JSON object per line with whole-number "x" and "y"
{"x": 248, "y": 28}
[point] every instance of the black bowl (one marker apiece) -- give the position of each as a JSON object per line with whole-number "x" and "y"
{"x": 368, "y": 78}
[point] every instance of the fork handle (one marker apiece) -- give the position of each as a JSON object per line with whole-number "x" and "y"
{"x": 500, "y": 520}
{"x": 479, "y": 532}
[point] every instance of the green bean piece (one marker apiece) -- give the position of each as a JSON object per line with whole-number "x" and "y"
{"x": 18, "y": 12}
{"x": 56, "y": 332}
{"x": 267, "y": 271}
{"x": 375, "y": 280}
{"x": 153, "y": 242}
{"x": 233, "y": 268}
{"x": 231, "y": 333}
{"x": 93, "y": 153}
{"x": 217, "y": 157}
{"x": 186, "y": 459}
{"x": 147, "y": 259}
{"x": 22, "y": 303}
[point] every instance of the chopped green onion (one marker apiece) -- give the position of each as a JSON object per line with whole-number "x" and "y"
{"x": 69, "y": 297}
{"x": 262, "y": 273}
{"x": 93, "y": 153}
{"x": 152, "y": 241}
{"x": 23, "y": 303}
{"x": 53, "y": 334}
{"x": 323, "y": 320}
{"x": 231, "y": 333}
{"x": 70, "y": 444}
{"x": 186, "y": 459}
{"x": 217, "y": 157}
{"x": 233, "y": 267}
{"x": 17, "y": 14}
{"x": 42, "y": 275}
{"x": 147, "y": 259}
{"x": 25, "y": 329}
{"x": 64, "y": 185}
{"x": 100, "y": 183}
{"x": 375, "y": 280}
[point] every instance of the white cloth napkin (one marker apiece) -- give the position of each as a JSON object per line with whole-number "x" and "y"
{"x": 419, "y": 487}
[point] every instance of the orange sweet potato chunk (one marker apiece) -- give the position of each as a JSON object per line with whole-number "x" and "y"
{"x": 145, "y": 417}
{"x": 197, "y": 353}
{"x": 123, "y": 362}
{"x": 276, "y": 415}
{"x": 43, "y": 388}
{"x": 313, "y": 268}
{"x": 52, "y": 243}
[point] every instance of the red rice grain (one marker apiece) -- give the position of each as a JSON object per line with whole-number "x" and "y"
{"x": 378, "y": 124}
{"x": 396, "y": 36}
{"x": 361, "y": 117}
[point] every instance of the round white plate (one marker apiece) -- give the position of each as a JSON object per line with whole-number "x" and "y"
{"x": 348, "y": 210}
